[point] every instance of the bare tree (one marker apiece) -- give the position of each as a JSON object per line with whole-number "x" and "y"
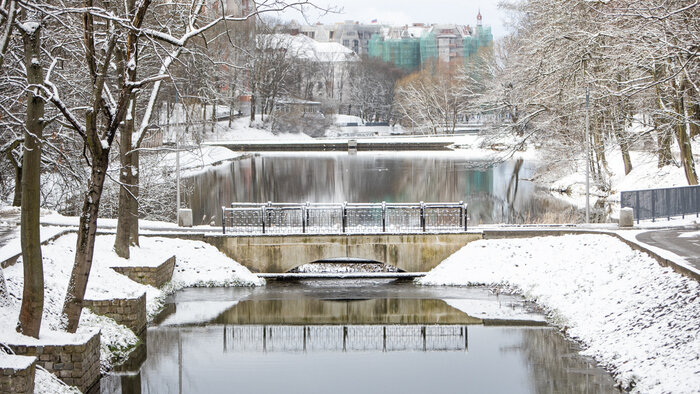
{"x": 436, "y": 98}
{"x": 372, "y": 89}
{"x": 636, "y": 58}
{"x": 169, "y": 39}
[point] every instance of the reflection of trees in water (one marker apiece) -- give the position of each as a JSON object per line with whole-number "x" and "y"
{"x": 494, "y": 193}
{"x": 556, "y": 366}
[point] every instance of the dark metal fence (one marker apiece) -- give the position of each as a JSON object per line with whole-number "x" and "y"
{"x": 662, "y": 203}
{"x": 308, "y": 218}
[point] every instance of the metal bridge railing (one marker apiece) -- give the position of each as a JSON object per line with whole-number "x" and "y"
{"x": 351, "y": 218}
{"x": 351, "y": 338}
{"x": 662, "y": 203}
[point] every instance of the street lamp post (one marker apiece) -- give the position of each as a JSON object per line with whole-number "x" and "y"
{"x": 177, "y": 172}
{"x": 588, "y": 163}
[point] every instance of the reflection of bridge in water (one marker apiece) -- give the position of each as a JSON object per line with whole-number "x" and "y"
{"x": 346, "y": 338}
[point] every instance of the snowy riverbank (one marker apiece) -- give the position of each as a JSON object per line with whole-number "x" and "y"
{"x": 198, "y": 265}
{"x": 567, "y": 180}
{"x": 634, "y": 316}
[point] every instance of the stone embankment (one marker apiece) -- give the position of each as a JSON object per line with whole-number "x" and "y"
{"x": 76, "y": 359}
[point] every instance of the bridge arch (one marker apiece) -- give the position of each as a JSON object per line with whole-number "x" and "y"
{"x": 279, "y": 254}
{"x": 344, "y": 265}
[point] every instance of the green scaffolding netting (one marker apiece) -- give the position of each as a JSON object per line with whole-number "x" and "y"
{"x": 403, "y": 53}
{"x": 428, "y": 48}
{"x": 376, "y": 46}
{"x": 410, "y": 53}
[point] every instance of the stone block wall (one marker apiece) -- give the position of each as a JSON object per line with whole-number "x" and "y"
{"x": 155, "y": 276}
{"x": 130, "y": 312}
{"x": 17, "y": 374}
{"x": 76, "y": 364}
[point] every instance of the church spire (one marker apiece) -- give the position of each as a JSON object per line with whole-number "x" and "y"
{"x": 478, "y": 18}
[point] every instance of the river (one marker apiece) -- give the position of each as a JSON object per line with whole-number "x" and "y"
{"x": 355, "y": 337}
{"x": 496, "y": 192}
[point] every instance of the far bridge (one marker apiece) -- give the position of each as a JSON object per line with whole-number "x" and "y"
{"x": 276, "y": 238}
{"x": 341, "y": 144}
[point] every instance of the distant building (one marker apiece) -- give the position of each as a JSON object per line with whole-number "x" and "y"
{"x": 331, "y": 62}
{"x": 238, "y": 8}
{"x": 411, "y": 47}
{"x": 350, "y": 34}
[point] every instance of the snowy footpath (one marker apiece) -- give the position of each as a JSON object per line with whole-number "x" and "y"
{"x": 640, "y": 320}
{"x": 197, "y": 265}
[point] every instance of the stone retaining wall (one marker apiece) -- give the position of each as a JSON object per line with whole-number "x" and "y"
{"x": 76, "y": 364}
{"x": 130, "y": 312}
{"x": 154, "y": 276}
{"x": 15, "y": 379}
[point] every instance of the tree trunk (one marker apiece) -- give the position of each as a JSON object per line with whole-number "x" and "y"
{"x": 694, "y": 121}
{"x": 134, "y": 201}
{"x": 33, "y": 293}
{"x": 664, "y": 135}
{"x": 684, "y": 143}
{"x": 213, "y": 118}
{"x": 252, "y": 108}
{"x": 664, "y": 145}
{"x": 17, "y": 199}
{"x": 232, "y": 103}
{"x": 85, "y": 246}
{"x": 124, "y": 211}
{"x": 625, "y": 149}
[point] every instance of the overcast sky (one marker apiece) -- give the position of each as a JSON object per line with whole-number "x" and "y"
{"x": 402, "y": 12}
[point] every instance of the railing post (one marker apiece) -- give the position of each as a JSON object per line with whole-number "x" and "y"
{"x": 466, "y": 217}
{"x": 305, "y": 216}
{"x": 636, "y": 204}
{"x": 269, "y": 210}
{"x": 223, "y": 219}
{"x": 422, "y": 215}
{"x": 668, "y": 204}
{"x": 653, "y": 206}
{"x": 682, "y": 198}
{"x": 262, "y": 217}
{"x": 303, "y": 219}
{"x": 383, "y": 216}
{"x": 345, "y": 215}
{"x": 697, "y": 201}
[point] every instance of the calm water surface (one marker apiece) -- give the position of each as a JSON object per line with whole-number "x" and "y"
{"x": 352, "y": 337}
{"x": 495, "y": 192}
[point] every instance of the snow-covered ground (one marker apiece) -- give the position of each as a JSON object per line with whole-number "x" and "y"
{"x": 635, "y": 317}
{"x": 242, "y": 130}
{"x": 198, "y": 264}
{"x": 488, "y": 309}
{"x": 197, "y": 311}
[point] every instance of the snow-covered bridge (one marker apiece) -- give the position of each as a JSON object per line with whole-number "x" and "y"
{"x": 282, "y": 253}
{"x": 276, "y": 238}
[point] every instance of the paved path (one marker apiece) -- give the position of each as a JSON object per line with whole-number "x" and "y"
{"x": 686, "y": 247}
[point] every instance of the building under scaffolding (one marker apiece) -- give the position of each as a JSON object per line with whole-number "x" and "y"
{"x": 411, "y": 47}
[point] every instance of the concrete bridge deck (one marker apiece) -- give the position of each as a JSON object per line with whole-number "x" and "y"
{"x": 281, "y": 253}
